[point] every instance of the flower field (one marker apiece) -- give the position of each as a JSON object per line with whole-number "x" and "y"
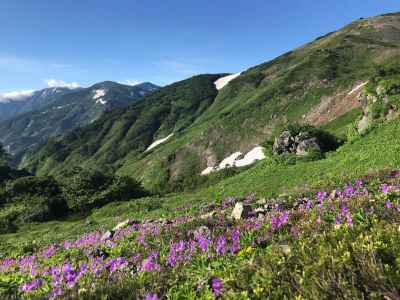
{"x": 334, "y": 244}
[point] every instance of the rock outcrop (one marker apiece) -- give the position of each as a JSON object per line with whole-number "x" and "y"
{"x": 300, "y": 144}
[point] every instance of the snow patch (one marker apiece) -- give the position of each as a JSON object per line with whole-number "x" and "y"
{"x": 98, "y": 94}
{"x": 158, "y": 142}
{"x": 29, "y": 125}
{"x": 208, "y": 170}
{"x": 223, "y": 81}
{"x": 101, "y": 101}
{"x": 235, "y": 160}
{"x": 229, "y": 161}
{"x": 357, "y": 88}
{"x": 251, "y": 157}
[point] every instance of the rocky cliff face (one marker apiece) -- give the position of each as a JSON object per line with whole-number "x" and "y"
{"x": 381, "y": 100}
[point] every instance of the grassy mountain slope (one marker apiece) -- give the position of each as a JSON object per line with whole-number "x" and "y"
{"x": 370, "y": 155}
{"x": 65, "y": 111}
{"x": 128, "y": 132}
{"x": 312, "y": 84}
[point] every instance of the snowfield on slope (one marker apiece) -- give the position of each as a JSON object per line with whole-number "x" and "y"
{"x": 238, "y": 160}
{"x": 223, "y": 81}
{"x": 98, "y": 94}
{"x": 158, "y": 142}
{"x": 101, "y": 101}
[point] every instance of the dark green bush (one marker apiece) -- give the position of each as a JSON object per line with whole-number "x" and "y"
{"x": 85, "y": 189}
{"x": 25, "y": 187}
{"x": 42, "y": 208}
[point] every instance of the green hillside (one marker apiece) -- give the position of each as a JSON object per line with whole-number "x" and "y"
{"x": 128, "y": 132}
{"x": 317, "y": 84}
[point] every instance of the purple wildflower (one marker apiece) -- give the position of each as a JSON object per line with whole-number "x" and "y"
{"x": 385, "y": 188}
{"x": 349, "y": 220}
{"x": 151, "y": 296}
{"x": 221, "y": 245}
{"x": 388, "y": 205}
{"x": 203, "y": 242}
{"x": 49, "y": 251}
{"x": 31, "y": 286}
{"x": 149, "y": 264}
{"x": 235, "y": 241}
{"x": 359, "y": 183}
{"x": 321, "y": 196}
{"x": 217, "y": 286}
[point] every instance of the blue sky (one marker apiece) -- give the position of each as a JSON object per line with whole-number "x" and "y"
{"x": 48, "y": 42}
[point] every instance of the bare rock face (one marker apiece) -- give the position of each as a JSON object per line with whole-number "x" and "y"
{"x": 304, "y": 147}
{"x": 299, "y": 144}
{"x": 363, "y": 124}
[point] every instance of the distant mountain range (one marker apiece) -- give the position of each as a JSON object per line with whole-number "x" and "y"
{"x": 11, "y": 107}
{"x": 55, "y": 111}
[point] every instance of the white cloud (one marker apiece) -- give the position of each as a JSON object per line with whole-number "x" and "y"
{"x": 51, "y": 83}
{"x": 132, "y": 82}
{"x": 15, "y": 96}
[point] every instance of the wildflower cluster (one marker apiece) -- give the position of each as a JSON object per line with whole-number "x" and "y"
{"x": 147, "y": 253}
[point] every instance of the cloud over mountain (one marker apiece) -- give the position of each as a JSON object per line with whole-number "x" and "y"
{"x": 51, "y": 83}
{"x": 15, "y": 95}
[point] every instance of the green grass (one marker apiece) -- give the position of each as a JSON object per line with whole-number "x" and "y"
{"x": 369, "y": 154}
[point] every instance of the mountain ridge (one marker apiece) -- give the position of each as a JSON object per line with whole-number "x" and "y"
{"x": 64, "y": 111}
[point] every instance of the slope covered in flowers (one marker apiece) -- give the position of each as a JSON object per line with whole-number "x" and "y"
{"x": 341, "y": 243}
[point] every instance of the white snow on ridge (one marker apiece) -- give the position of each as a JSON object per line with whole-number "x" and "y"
{"x": 257, "y": 153}
{"x": 223, "y": 81}
{"x": 357, "y": 88}
{"x": 98, "y": 94}
{"x": 158, "y": 142}
{"x": 101, "y": 101}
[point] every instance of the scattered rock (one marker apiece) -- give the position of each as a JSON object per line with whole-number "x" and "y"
{"x": 260, "y": 210}
{"x": 208, "y": 215}
{"x": 363, "y": 124}
{"x": 122, "y": 225}
{"x": 241, "y": 211}
{"x": 107, "y": 235}
{"x": 203, "y": 231}
{"x": 284, "y": 144}
{"x": 304, "y": 147}
{"x": 89, "y": 222}
{"x": 285, "y": 249}
{"x": 262, "y": 201}
{"x": 97, "y": 252}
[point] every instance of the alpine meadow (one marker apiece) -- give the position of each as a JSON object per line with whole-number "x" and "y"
{"x": 278, "y": 181}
